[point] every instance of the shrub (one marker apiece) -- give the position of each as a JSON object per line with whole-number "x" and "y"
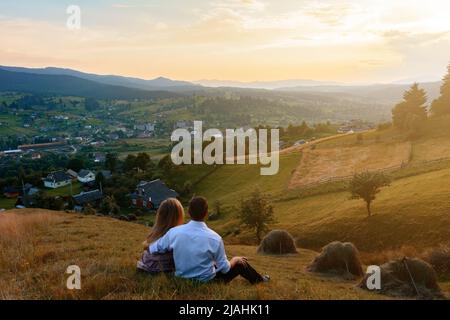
{"x": 256, "y": 213}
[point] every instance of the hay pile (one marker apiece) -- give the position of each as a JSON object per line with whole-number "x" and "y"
{"x": 338, "y": 258}
{"x": 277, "y": 242}
{"x": 407, "y": 278}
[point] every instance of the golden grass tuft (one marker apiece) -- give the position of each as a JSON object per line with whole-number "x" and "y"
{"x": 19, "y": 247}
{"x": 17, "y": 238}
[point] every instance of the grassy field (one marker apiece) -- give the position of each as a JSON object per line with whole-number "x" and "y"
{"x": 409, "y": 217}
{"x": 413, "y": 211}
{"x": 63, "y": 191}
{"x": 323, "y": 163}
{"x": 431, "y": 149}
{"x": 66, "y": 190}
{"x": 7, "y": 203}
{"x": 229, "y": 183}
{"x": 38, "y": 245}
{"x": 156, "y": 148}
{"x": 11, "y": 125}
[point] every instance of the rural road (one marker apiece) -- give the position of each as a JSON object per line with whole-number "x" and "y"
{"x": 300, "y": 147}
{"x": 293, "y": 148}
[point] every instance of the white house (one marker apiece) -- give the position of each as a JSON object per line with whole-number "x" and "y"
{"x": 57, "y": 179}
{"x": 145, "y": 127}
{"x": 85, "y": 176}
{"x": 182, "y": 124}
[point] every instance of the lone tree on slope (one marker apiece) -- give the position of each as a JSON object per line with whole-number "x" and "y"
{"x": 367, "y": 185}
{"x": 256, "y": 213}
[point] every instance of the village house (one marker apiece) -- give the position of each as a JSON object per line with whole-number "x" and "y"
{"x": 299, "y": 143}
{"x": 144, "y": 135}
{"x": 36, "y": 156}
{"x": 183, "y": 124}
{"x": 13, "y": 153}
{"x": 48, "y": 145}
{"x": 146, "y": 130}
{"x": 30, "y": 190}
{"x": 72, "y": 174}
{"x": 28, "y": 198}
{"x": 99, "y": 157}
{"x": 150, "y": 194}
{"x": 354, "y": 125}
{"x": 85, "y": 176}
{"x": 11, "y": 192}
{"x": 57, "y": 179}
{"x": 92, "y": 198}
{"x": 99, "y": 143}
{"x": 113, "y": 136}
{"x": 150, "y": 127}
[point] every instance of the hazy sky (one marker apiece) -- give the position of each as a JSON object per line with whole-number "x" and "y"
{"x": 339, "y": 40}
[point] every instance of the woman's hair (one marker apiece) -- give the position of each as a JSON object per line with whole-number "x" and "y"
{"x": 170, "y": 214}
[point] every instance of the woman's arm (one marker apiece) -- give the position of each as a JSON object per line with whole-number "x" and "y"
{"x": 161, "y": 245}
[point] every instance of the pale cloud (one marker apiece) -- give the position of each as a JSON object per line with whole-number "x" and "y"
{"x": 332, "y": 14}
{"x": 131, "y": 6}
{"x": 241, "y": 5}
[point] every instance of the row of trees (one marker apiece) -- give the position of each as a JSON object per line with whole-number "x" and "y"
{"x": 303, "y": 130}
{"x": 413, "y": 110}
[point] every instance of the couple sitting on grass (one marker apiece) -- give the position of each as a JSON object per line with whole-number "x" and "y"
{"x": 191, "y": 250}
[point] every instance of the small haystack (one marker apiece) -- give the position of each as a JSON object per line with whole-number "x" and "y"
{"x": 407, "y": 278}
{"x": 277, "y": 242}
{"x": 339, "y": 259}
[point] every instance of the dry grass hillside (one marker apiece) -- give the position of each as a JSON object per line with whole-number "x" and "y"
{"x": 322, "y": 163}
{"x": 38, "y": 245}
{"x": 410, "y": 216}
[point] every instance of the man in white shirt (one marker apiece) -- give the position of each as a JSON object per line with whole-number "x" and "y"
{"x": 199, "y": 252}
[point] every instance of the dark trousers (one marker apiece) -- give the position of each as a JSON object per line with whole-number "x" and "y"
{"x": 243, "y": 269}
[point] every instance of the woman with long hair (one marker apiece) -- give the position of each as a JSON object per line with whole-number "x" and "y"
{"x": 170, "y": 214}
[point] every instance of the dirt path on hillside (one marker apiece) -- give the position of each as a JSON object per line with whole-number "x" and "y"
{"x": 306, "y": 145}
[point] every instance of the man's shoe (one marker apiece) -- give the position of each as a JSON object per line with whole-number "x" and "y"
{"x": 265, "y": 278}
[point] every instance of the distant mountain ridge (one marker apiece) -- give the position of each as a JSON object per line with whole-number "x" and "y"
{"x": 70, "y": 85}
{"x": 269, "y": 85}
{"x": 160, "y": 83}
{"x": 131, "y": 88}
{"x": 385, "y": 93}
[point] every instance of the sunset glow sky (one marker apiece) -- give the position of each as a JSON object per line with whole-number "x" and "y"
{"x": 353, "y": 41}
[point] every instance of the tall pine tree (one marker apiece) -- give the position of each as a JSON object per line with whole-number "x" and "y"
{"x": 441, "y": 106}
{"x": 412, "y": 109}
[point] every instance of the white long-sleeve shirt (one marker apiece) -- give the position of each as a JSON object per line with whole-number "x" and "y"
{"x": 198, "y": 251}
